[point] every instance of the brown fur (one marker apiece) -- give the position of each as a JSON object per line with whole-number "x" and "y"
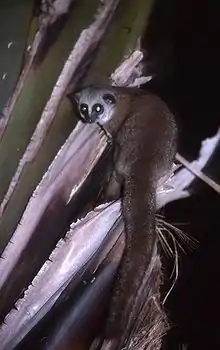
{"x": 144, "y": 136}
{"x": 143, "y": 133}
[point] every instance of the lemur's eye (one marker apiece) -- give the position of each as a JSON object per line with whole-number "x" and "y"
{"x": 98, "y": 108}
{"x": 109, "y": 99}
{"x": 83, "y": 109}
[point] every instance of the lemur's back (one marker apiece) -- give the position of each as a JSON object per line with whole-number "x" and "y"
{"x": 143, "y": 133}
{"x": 146, "y": 141}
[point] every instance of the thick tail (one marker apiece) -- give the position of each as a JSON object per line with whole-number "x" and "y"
{"x": 132, "y": 291}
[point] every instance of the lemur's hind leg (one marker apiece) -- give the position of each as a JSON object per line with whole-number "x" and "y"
{"x": 112, "y": 190}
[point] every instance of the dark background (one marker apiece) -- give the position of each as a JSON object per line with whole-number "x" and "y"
{"x": 182, "y": 43}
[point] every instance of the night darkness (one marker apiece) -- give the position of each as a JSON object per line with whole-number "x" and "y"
{"x": 182, "y": 43}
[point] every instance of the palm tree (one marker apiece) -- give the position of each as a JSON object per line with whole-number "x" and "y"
{"x": 51, "y": 168}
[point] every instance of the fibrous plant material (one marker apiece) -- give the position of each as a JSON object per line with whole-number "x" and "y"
{"x": 71, "y": 260}
{"x": 33, "y": 162}
{"x": 90, "y": 40}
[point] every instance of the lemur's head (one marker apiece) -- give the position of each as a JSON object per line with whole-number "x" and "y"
{"x": 96, "y": 104}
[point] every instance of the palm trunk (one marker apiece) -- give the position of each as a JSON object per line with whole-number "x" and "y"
{"x": 82, "y": 42}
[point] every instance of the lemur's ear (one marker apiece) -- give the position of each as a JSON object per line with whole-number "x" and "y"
{"x": 77, "y": 96}
{"x": 74, "y": 97}
{"x": 109, "y": 98}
